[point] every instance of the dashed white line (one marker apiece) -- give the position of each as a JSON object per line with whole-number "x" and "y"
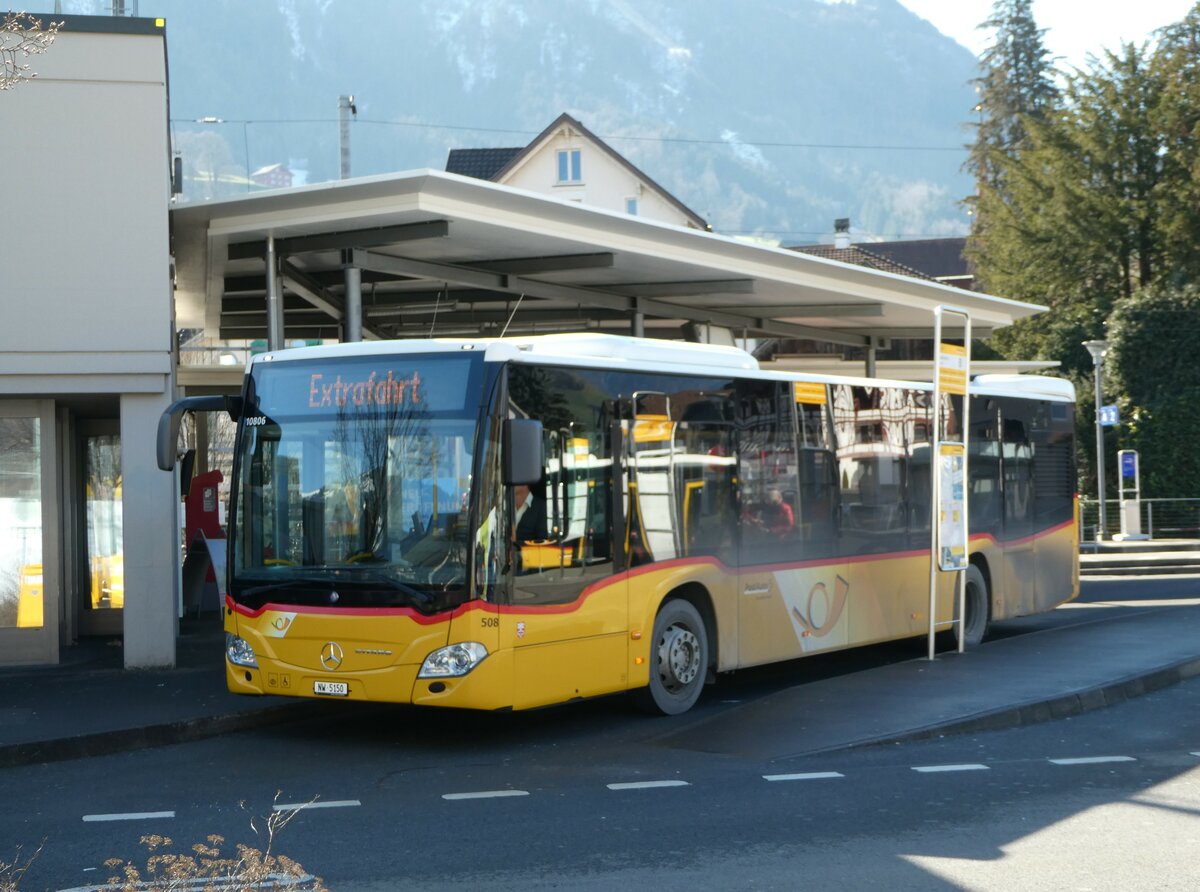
{"x": 1195, "y": 754}
{"x": 130, "y": 816}
{"x": 648, "y": 785}
{"x": 486, "y": 794}
{"x": 935, "y": 769}
{"x": 1092, "y": 760}
{"x": 332, "y": 803}
{"x": 808, "y": 775}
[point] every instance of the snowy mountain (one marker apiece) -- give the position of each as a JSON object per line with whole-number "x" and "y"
{"x": 768, "y": 117}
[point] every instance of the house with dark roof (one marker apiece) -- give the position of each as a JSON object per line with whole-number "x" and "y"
{"x": 940, "y": 259}
{"x": 568, "y": 161}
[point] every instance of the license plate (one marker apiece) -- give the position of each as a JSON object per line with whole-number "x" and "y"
{"x": 331, "y": 688}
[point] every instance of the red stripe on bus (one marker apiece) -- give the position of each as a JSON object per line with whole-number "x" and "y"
{"x": 607, "y": 582}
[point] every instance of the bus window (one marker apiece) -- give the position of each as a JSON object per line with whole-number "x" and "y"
{"x": 567, "y": 540}
{"x": 769, "y": 484}
{"x": 872, "y": 467}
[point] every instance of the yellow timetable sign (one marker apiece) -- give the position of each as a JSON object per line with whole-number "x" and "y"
{"x": 952, "y": 369}
{"x": 808, "y": 392}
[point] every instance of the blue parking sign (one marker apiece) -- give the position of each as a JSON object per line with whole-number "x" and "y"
{"x": 1128, "y": 464}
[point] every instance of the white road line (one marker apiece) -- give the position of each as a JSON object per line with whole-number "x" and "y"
{"x": 332, "y": 803}
{"x": 1092, "y": 760}
{"x": 935, "y": 769}
{"x": 649, "y": 785}
{"x": 131, "y": 816}
{"x": 1195, "y": 754}
{"x": 486, "y": 794}
{"x": 810, "y": 775}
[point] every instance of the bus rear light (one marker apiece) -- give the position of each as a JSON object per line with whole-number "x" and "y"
{"x": 239, "y": 651}
{"x": 453, "y": 661}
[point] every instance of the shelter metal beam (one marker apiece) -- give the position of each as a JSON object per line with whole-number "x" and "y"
{"x": 977, "y": 332}
{"x": 524, "y": 266}
{"x": 684, "y": 289}
{"x": 300, "y": 283}
{"x": 454, "y": 274}
{"x": 465, "y": 315}
{"x": 814, "y": 311}
{"x": 347, "y": 239}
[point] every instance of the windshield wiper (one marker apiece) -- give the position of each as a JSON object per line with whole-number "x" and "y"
{"x": 393, "y": 583}
{"x": 351, "y": 575}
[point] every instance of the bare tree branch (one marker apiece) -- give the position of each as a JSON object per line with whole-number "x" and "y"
{"x": 22, "y": 36}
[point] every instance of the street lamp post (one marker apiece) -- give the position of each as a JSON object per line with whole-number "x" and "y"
{"x": 1098, "y": 349}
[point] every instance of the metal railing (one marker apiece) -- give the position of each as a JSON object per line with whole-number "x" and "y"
{"x": 1160, "y": 518}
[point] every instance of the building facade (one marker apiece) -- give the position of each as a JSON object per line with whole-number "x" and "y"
{"x": 88, "y": 541}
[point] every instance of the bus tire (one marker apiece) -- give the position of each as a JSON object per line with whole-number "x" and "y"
{"x": 978, "y": 607}
{"x": 678, "y": 660}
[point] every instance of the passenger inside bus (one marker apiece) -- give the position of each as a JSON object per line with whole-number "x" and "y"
{"x": 774, "y": 516}
{"x": 529, "y": 517}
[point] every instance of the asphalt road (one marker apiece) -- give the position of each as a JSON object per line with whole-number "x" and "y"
{"x": 583, "y": 798}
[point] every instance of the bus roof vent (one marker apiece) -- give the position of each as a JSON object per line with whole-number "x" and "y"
{"x": 1025, "y": 385}
{"x": 606, "y": 347}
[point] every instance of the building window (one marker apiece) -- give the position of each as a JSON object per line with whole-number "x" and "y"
{"x": 570, "y": 166}
{"x": 631, "y": 206}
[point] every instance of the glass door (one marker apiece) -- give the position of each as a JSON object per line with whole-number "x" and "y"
{"x": 29, "y": 577}
{"x": 103, "y": 582}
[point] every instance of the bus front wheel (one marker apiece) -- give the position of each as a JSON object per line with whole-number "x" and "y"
{"x": 977, "y": 600}
{"x": 678, "y": 660}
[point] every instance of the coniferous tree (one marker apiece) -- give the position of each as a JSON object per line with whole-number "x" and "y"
{"x": 1016, "y": 83}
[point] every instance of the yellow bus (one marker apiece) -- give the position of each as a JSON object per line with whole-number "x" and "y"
{"x": 693, "y": 515}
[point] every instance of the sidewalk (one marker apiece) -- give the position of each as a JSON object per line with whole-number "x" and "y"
{"x": 1013, "y": 681}
{"x": 90, "y": 706}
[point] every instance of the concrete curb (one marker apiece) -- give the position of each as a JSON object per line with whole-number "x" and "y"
{"x": 120, "y": 740}
{"x": 1036, "y": 712}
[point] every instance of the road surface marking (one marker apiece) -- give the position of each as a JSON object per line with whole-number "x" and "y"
{"x": 131, "y": 816}
{"x": 648, "y": 785}
{"x": 332, "y": 803}
{"x": 811, "y": 775}
{"x": 1092, "y": 760}
{"x": 486, "y": 794}
{"x": 934, "y": 769}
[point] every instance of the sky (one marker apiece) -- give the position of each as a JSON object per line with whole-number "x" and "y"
{"x": 1075, "y": 27}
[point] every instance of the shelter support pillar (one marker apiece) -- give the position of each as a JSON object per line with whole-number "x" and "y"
{"x": 639, "y": 324}
{"x": 352, "y": 321}
{"x": 274, "y": 299}
{"x": 873, "y": 345}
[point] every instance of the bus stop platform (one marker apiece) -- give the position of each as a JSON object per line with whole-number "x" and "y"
{"x": 1054, "y": 673}
{"x": 90, "y": 706}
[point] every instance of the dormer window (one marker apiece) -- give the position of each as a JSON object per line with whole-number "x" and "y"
{"x": 570, "y": 166}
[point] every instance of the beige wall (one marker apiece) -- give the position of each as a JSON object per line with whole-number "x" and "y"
{"x": 85, "y": 281}
{"x": 606, "y": 182}
{"x": 84, "y": 171}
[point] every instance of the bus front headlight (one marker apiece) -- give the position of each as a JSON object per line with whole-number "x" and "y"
{"x": 453, "y": 660}
{"x": 239, "y": 651}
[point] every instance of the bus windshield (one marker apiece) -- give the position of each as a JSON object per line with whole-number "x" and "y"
{"x": 353, "y": 482}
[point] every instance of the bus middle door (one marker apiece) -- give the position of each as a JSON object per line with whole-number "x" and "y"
{"x": 568, "y": 616}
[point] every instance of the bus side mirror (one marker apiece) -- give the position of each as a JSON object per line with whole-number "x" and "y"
{"x": 168, "y": 423}
{"x": 524, "y": 451}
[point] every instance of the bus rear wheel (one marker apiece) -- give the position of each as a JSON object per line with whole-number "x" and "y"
{"x": 978, "y": 613}
{"x": 678, "y": 660}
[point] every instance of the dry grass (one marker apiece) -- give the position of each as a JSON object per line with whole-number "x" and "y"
{"x": 203, "y": 867}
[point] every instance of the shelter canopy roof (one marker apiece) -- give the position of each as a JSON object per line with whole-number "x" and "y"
{"x": 452, "y": 255}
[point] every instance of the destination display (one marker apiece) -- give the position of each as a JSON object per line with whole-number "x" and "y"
{"x": 374, "y": 384}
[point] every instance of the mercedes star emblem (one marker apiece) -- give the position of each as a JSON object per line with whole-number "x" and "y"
{"x": 331, "y": 655}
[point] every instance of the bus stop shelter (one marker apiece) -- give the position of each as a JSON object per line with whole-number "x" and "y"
{"x": 427, "y": 253}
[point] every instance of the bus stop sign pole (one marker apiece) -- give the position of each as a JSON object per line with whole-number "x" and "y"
{"x": 948, "y": 472}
